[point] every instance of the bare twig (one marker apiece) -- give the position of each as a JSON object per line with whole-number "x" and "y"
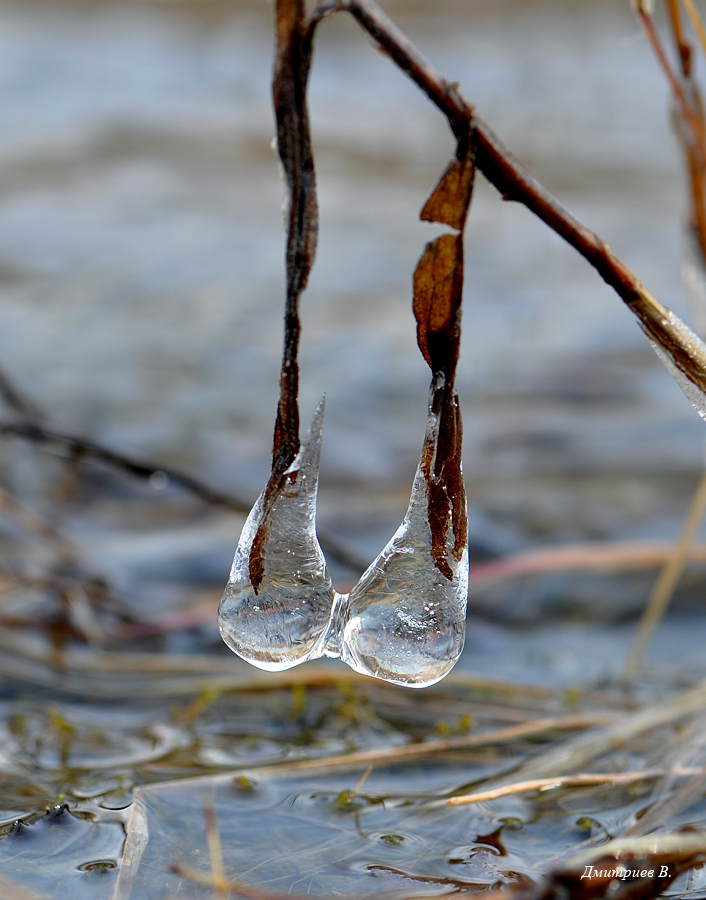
{"x": 690, "y": 124}
{"x": 76, "y": 446}
{"x": 289, "y": 86}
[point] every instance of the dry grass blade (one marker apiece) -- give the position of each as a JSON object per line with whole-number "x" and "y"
{"x": 666, "y": 585}
{"x": 215, "y": 850}
{"x": 676, "y": 846}
{"x": 430, "y": 749}
{"x": 33, "y": 523}
{"x": 612, "y": 557}
{"x": 576, "y": 753}
{"x": 587, "y": 779}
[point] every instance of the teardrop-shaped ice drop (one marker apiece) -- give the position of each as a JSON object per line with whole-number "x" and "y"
{"x": 281, "y": 622}
{"x": 405, "y": 619}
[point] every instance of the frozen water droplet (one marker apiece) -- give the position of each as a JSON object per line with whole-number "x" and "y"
{"x": 405, "y": 619}
{"x": 285, "y": 620}
{"x": 697, "y": 350}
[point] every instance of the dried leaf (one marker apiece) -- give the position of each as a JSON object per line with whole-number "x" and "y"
{"x": 450, "y": 199}
{"x": 438, "y": 286}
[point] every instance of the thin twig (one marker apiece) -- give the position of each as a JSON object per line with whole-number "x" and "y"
{"x": 652, "y": 36}
{"x": 689, "y": 122}
{"x": 76, "y": 446}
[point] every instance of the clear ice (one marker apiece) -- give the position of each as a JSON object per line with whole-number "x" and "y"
{"x": 403, "y": 622}
{"x": 282, "y": 622}
{"x": 697, "y": 349}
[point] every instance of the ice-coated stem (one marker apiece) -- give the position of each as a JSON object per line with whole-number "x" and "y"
{"x": 406, "y": 617}
{"x": 281, "y": 622}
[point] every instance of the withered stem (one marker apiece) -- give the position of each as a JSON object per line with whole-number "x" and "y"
{"x": 513, "y": 181}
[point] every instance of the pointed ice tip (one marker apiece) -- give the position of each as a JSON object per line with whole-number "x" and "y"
{"x": 313, "y": 435}
{"x": 310, "y": 448}
{"x": 317, "y": 423}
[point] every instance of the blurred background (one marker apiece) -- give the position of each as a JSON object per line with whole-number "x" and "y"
{"x": 142, "y": 285}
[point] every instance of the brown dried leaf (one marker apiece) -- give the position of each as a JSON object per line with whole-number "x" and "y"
{"x": 449, "y": 201}
{"x": 438, "y": 286}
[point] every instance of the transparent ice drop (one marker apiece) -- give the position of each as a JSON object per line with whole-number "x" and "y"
{"x": 696, "y": 349}
{"x": 405, "y": 621}
{"x": 284, "y": 621}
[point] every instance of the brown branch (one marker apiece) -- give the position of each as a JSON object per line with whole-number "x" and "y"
{"x": 75, "y": 446}
{"x": 689, "y": 122}
{"x": 682, "y": 348}
{"x": 289, "y": 85}
{"x": 652, "y": 36}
